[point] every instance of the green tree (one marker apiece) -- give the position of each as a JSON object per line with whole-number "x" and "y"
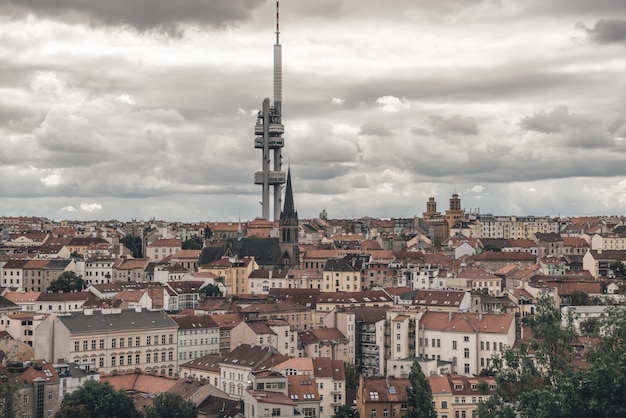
{"x": 134, "y": 244}
{"x": 193, "y": 243}
{"x": 590, "y": 327}
{"x": 419, "y": 394}
{"x": 170, "y": 405}
{"x": 352, "y": 375}
{"x": 619, "y": 269}
{"x": 211, "y": 290}
{"x": 68, "y": 281}
{"x": 346, "y": 411}
{"x": 99, "y": 400}
{"x": 208, "y": 232}
{"x": 580, "y": 298}
{"x": 8, "y": 395}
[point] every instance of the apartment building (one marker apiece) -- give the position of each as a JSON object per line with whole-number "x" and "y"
{"x": 162, "y": 248}
{"x": 197, "y": 337}
{"x": 111, "y": 340}
{"x": 457, "y": 396}
{"x": 233, "y": 273}
{"x": 468, "y": 340}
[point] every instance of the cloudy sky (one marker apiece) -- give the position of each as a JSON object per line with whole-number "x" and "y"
{"x": 145, "y": 108}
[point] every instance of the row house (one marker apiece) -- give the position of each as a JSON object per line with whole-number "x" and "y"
{"x": 48, "y": 302}
{"x": 494, "y": 260}
{"x": 328, "y": 301}
{"x": 610, "y": 241}
{"x": 130, "y": 269}
{"x": 328, "y": 374}
{"x": 553, "y": 266}
{"x": 82, "y": 245}
{"x": 326, "y": 342}
{"x": 344, "y": 275}
{"x": 516, "y": 227}
{"x": 167, "y": 273}
{"x": 202, "y": 369}
{"x": 27, "y": 301}
{"x": 400, "y": 333}
{"x": 575, "y": 246}
{"x": 304, "y": 279}
{"x": 275, "y": 333}
{"x": 522, "y": 246}
{"x": 298, "y": 316}
{"x": 96, "y": 270}
{"x": 550, "y": 244}
{"x": 226, "y": 322}
{"x": 162, "y": 248}
{"x": 21, "y": 326}
{"x": 183, "y": 294}
{"x": 476, "y": 279}
{"x": 236, "y": 366}
{"x": 233, "y": 273}
{"x": 382, "y": 397}
{"x": 112, "y": 340}
{"x": 27, "y": 239}
{"x": 38, "y": 389}
{"x": 599, "y": 262}
{"x": 468, "y": 340}
{"x": 198, "y": 336}
{"x": 442, "y": 300}
{"x": 456, "y": 396}
{"x": 188, "y": 259}
{"x": 261, "y": 281}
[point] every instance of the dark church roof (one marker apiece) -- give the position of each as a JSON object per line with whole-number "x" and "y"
{"x": 289, "y": 209}
{"x": 266, "y": 251}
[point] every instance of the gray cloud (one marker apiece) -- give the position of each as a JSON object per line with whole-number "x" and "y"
{"x": 455, "y": 124}
{"x": 140, "y": 14}
{"x": 375, "y": 129}
{"x": 608, "y": 31}
{"x": 576, "y": 129}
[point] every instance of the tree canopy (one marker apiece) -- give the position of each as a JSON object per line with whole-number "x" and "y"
{"x": 169, "y": 405}
{"x": 543, "y": 378}
{"x": 346, "y": 411}
{"x": 211, "y": 290}
{"x": 68, "y": 281}
{"x": 193, "y": 243}
{"x": 419, "y": 394}
{"x": 97, "y": 400}
{"x": 134, "y": 244}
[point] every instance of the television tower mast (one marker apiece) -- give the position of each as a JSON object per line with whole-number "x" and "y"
{"x": 268, "y": 131}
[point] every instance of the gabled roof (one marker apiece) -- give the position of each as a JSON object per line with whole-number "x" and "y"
{"x": 467, "y": 322}
{"x": 127, "y": 319}
{"x": 166, "y": 242}
{"x": 194, "y": 322}
{"x": 361, "y": 297}
{"x": 386, "y": 390}
{"x": 248, "y": 356}
{"x": 64, "y": 297}
{"x": 450, "y": 298}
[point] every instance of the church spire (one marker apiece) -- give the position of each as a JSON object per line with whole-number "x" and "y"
{"x": 289, "y": 209}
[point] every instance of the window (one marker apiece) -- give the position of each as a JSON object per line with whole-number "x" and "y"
{"x": 466, "y": 353}
{"x": 163, "y": 339}
{"x": 137, "y": 341}
{"x": 112, "y": 361}
{"x": 85, "y": 345}
{"x": 466, "y": 339}
{"x": 93, "y": 344}
{"x": 454, "y": 345}
{"x": 76, "y": 346}
{"x": 147, "y": 340}
{"x": 130, "y": 341}
{"x": 49, "y": 394}
{"x": 171, "y": 338}
{"x": 121, "y": 360}
{"x": 121, "y": 343}
{"x": 113, "y": 342}
{"x": 102, "y": 344}
{"x": 373, "y": 413}
{"x": 101, "y": 362}
{"x": 444, "y": 404}
{"x": 275, "y": 412}
{"x": 467, "y": 368}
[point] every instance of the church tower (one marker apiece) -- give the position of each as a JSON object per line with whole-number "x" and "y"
{"x": 288, "y": 230}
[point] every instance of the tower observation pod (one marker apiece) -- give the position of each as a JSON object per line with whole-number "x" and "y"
{"x": 268, "y": 133}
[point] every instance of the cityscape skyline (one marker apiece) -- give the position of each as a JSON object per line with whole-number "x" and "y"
{"x": 126, "y": 110}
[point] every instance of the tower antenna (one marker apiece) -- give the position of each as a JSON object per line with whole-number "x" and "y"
{"x": 277, "y": 27}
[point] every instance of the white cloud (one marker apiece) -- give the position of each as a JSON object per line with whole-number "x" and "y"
{"x": 53, "y": 179}
{"x": 70, "y": 209}
{"x": 91, "y": 207}
{"x": 392, "y": 104}
{"x": 477, "y": 189}
{"x": 338, "y": 101}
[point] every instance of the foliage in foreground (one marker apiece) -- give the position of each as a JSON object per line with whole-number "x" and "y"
{"x": 540, "y": 379}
